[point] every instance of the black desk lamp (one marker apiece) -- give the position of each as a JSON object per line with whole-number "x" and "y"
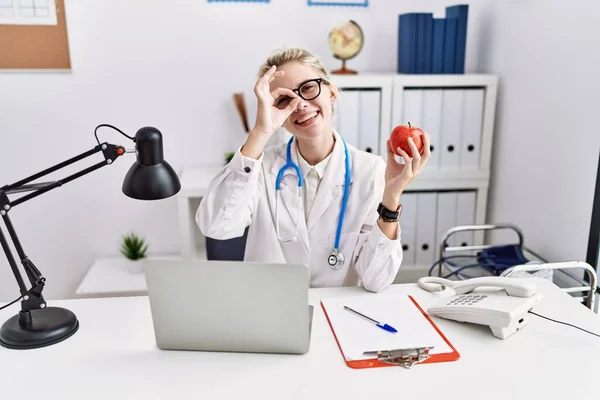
{"x": 149, "y": 178}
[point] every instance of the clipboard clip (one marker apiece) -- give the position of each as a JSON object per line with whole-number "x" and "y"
{"x": 402, "y": 357}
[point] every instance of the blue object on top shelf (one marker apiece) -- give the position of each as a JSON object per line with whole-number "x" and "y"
{"x": 437, "y": 45}
{"x": 450, "y": 46}
{"x": 428, "y": 45}
{"x": 424, "y": 42}
{"x": 407, "y": 43}
{"x": 460, "y": 12}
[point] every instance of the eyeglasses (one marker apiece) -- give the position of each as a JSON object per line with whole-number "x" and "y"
{"x": 308, "y": 90}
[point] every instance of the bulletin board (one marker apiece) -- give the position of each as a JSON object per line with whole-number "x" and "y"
{"x": 36, "y": 46}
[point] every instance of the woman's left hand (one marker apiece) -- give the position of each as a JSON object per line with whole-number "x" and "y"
{"x": 397, "y": 175}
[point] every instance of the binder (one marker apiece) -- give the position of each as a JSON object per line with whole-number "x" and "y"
{"x": 424, "y": 42}
{"x": 432, "y": 124}
{"x": 348, "y": 122}
{"x": 472, "y": 124}
{"x": 407, "y": 43}
{"x": 437, "y": 46}
{"x": 451, "y": 27}
{"x": 452, "y": 111}
{"x": 446, "y": 217}
{"x": 369, "y": 108}
{"x": 408, "y": 228}
{"x": 426, "y": 224}
{"x": 460, "y": 12}
{"x": 412, "y": 107}
{"x": 362, "y": 344}
{"x": 465, "y": 215}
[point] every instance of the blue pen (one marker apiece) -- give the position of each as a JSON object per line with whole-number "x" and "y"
{"x": 385, "y": 327}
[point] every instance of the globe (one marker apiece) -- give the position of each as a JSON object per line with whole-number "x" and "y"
{"x": 345, "y": 41}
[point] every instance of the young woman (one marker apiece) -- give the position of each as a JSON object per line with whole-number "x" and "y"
{"x": 316, "y": 200}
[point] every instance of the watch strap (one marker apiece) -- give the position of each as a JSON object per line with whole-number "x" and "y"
{"x": 388, "y": 215}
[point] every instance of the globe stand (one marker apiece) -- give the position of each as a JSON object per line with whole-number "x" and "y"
{"x": 344, "y": 70}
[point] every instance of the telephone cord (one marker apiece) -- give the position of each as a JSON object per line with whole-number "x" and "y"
{"x": 564, "y": 323}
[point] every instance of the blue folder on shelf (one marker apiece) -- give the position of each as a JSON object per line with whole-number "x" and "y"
{"x": 407, "y": 43}
{"x": 449, "y": 45}
{"x": 460, "y": 13}
{"x": 437, "y": 46}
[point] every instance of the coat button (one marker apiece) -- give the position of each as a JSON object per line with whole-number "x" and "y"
{"x": 381, "y": 246}
{"x": 247, "y": 169}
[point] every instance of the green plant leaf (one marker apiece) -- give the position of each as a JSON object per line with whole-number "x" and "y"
{"x": 133, "y": 247}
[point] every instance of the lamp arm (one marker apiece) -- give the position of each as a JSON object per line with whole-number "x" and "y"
{"x": 111, "y": 153}
{"x": 32, "y": 298}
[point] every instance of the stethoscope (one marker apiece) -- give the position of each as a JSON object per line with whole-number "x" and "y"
{"x": 336, "y": 258}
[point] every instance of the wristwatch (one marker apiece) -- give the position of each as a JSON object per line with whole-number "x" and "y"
{"x": 388, "y": 215}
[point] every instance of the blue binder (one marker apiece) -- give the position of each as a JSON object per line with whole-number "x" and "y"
{"x": 427, "y": 32}
{"x": 407, "y": 43}
{"x": 460, "y": 12}
{"x": 437, "y": 50}
{"x": 424, "y": 30}
{"x": 450, "y": 45}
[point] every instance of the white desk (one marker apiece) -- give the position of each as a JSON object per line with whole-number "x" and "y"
{"x": 113, "y": 355}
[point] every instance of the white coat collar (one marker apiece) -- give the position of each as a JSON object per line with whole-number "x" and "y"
{"x": 330, "y": 188}
{"x": 336, "y": 161}
{"x": 320, "y": 168}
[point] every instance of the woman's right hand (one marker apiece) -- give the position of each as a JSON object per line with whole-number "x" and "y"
{"x": 270, "y": 114}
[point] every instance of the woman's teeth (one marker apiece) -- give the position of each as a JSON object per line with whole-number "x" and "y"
{"x": 306, "y": 118}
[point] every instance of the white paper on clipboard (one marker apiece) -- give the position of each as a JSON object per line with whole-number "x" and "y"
{"x": 356, "y": 335}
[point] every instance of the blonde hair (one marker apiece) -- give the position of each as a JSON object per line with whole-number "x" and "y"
{"x": 286, "y": 55}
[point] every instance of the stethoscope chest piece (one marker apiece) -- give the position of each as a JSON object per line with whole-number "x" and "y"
{"x": 336, "y": 260}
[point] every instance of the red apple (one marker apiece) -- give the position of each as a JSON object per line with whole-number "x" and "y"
{"x": 400, "y": 135}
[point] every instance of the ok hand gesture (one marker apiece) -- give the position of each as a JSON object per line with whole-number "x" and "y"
{"x": 270, "y": 115}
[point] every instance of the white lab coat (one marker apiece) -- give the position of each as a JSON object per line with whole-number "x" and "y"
{"x": 243, "y": 193}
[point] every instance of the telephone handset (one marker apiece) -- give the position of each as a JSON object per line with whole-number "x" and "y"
{"x": 512, "y": 286}
{"x": 501, "y": 303}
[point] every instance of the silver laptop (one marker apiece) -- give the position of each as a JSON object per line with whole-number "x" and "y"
{"x": 229, "y": 306}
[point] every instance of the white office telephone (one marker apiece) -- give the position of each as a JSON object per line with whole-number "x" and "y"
{"x": 501, "y": 303}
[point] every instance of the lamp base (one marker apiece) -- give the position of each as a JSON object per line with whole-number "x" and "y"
{"x": 38, "y": 328}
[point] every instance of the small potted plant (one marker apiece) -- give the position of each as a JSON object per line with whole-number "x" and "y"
{"x": 134, "y": 248}
{"x": 228, "y": 156}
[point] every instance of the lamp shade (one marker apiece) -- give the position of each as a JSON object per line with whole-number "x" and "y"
{"x": 150, "y": 177}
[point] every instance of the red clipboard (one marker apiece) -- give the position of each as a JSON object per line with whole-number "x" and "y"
{"x": 385, "y": 357}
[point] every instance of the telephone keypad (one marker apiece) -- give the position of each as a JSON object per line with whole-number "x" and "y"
{"x": 466, "y": 299}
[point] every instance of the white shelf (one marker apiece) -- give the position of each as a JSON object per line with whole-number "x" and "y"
{"x": 362, "y": 81}
{"x": 446, "y": 81}
{"x": 195, "y": 180}
{"x": 450, "y": 180}
{"x": 110, "y": 277}
{"x": 375, "y": 79}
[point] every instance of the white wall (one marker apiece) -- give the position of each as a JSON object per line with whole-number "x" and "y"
{"x": 547, "y": 141}
{"x": 141, "y": 62}
{"x": 173, "y": 65}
